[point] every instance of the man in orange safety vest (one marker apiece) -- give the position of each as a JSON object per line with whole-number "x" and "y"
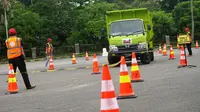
{"x": 189, "y": 45}
{"x": 15, "y": 54}
{"x": 49, "y": 51}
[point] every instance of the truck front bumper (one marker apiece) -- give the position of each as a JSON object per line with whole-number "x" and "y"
{"x": 128, "y": 54}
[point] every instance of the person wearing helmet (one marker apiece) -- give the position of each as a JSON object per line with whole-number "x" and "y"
{"x": 15, "y": 56}
{"x": 189, "y": 45}
{"x": 49, "y": 51}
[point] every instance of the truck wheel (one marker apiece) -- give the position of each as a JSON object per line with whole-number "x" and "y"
{"x": 146, "y": 58}
{"x": 112, "y": 59}
{"x": 152, "y": 56}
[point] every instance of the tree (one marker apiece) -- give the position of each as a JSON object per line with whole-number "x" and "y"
{"x": 127, "y": 4}
{"x": 168, "y": 5}
{"x": 151, "y": 5}
{"x": 182, "y": 17}
{"x": 89, "y": 22}
{"x": 58, "y": 17}
{"x": 26, "y": 22}
{"x": 163, "y": 24}
{"x": 2, "y": 26}
{"x": 26, "y": 2}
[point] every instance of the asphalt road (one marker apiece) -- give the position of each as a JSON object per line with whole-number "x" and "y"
{"x": 74, "y": 89}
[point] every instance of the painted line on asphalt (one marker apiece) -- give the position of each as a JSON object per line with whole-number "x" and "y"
{"x": 38, "y": 71}
{"x": 78, "y": 87}
{"x": 53, "y": 90}
{"x": 87, "y": 67}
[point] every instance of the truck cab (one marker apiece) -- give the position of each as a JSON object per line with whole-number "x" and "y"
{"x": 130, "y": 31}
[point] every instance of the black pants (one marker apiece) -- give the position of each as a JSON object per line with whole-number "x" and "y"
{"x": 20, "y": 63}
{"x": 189, "y": 47}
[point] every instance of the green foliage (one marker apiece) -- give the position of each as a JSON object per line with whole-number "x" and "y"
{"x": 57, "y": 20}
{"x": 168, "y": 5}
{"x": 163, "y": 25}
{"x": 152, "y": 5}
{"x": 83, "y": 21}
{"x": 26, "y": 22}
{"x": 89, "y": 22}
{"x": 127, "y": 4}
{"x": 182, "y": 17}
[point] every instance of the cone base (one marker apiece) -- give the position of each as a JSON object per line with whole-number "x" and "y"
{"x": 189, "y": 66}
{"x": 8, "y": 93}
{"x": 13, "y": 92}
{"x": 126, "y": 97}
{"x": 172, "y": 58}
{"x": 74, "y": 63}
{"x": 51, "y": 70}
{"x": 139, "y": 80}
{"x": 96, "y": 73}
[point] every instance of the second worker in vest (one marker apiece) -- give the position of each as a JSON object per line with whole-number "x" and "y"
{"x": 189, "y": 45}
{"x": 15, "y": 54}
{"x": 49, "y": 51}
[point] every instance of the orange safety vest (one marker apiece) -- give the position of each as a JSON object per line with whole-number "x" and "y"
{"x": 14, "y": 47}
{"x": 49, "y": 48}
{"x": 190, "y": 38}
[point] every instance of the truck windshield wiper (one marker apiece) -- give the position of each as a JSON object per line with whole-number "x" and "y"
{"x": 134, "y": 32}
{"x": 114, "y": 35}
{"x": 125, "y": 34}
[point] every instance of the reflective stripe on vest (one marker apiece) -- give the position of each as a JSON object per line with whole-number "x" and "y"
{"x": 189, "y": 37}
{"x": 49, "y": 48}
{"x": 14, "y": 47}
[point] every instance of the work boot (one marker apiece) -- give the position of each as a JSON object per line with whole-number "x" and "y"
{"x": 31, "y": 87}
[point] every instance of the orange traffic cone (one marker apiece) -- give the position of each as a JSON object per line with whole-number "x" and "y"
{"x": 178, "y": 47}
{"x": 95, "y": 68}
{"x": 73, "y": 59}
{"x": 51, "y": 65}
{"x": 171, "y": 56}
{"x": 164, "y": 50}
{"x": 183, "y": 61}
{"x": 108, "y": 99}
{"x": 160, "y": 49}
{"x": 126, "y": 90}
{"x": 135, "y": 72}
{"x": 86, "y": 56}
{"x": 12, "y": 82}
{"x": 197, "y": 45}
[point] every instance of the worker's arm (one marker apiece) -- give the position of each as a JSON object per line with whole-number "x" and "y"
{"x": 22, "y": 44}
{"x": 4, "y": 44}
{"x": 46, "y": 50}
{"x": 190, "y": 35}
{"x": 51, "y": 49}
{"x": 22, "y": 48}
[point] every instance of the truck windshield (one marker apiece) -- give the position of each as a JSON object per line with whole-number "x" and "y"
{"x": 127, "y": 27}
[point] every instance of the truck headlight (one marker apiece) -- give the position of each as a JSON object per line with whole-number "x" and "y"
{"x": 113, "y": 48}
{"x": 142, "y": 45}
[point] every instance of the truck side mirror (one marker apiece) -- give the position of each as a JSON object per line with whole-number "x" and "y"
{"x": 149, "y": 27}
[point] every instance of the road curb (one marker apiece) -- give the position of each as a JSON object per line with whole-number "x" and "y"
{"x": 42, "y": 59}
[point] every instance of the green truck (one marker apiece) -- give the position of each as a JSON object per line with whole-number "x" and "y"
{"x": 130, "y": 31}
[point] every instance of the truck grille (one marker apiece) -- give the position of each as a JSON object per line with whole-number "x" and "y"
{"x": 130, "y": 48}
